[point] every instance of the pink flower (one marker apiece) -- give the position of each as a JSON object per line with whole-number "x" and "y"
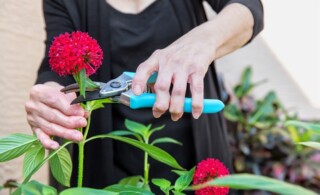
{"x": 70, "y": 53}
{"x": 207, "y": 170}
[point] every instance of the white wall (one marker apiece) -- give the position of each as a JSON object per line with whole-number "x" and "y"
{"x": 292, "y": 33}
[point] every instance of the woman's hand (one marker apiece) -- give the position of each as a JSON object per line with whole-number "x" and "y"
{"x": 187, "y": 60}
{"x": 49, "y": 113}
{"x": 184, "y": 61}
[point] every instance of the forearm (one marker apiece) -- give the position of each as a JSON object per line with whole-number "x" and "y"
{"x": 228, "y": 31}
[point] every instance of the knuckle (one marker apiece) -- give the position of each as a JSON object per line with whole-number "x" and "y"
{"x": 179, "y": 91}
{"x": 162, "y": 107}
{"x": 161, "y": 86}
{"x": 35, "y": 90}
{"x": 52, "y": 99}
{"x": 198, "y": 88}
{"x": 197, "y": 106}
{"x": 28, "y": 106}
{"x": 202, "y": 70}
{"x": 52, "y": 117}
{"x": 156, "y": 52}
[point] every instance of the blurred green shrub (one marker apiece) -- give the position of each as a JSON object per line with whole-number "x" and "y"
{"x": 261, "y": 143}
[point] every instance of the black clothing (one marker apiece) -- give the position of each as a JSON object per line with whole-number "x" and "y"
{"x": 208, "y": 132}
{"x": 134, "y": 37}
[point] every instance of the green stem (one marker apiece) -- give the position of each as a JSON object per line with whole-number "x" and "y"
{"x": 81, "y": 153}
{"x": 80, "y": 163}
{"x": 146, "y": 164}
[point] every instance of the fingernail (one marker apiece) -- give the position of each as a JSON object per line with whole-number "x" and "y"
{"x": 174, "y": 118}
{"x": 77, "y": 136}
{"x": 196, "y": 115}
{"x": 54, "y": 146}
{"x": 156, "y": 114}
{"x": 83, "y": 122}
{"x": 137, "y": 89}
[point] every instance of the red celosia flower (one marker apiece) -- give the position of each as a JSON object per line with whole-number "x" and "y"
{"x": 70, "y": 53}
{"x": 207, "y": 170}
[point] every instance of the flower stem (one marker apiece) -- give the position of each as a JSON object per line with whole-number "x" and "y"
{"x": 81, "y": 153}
{"x": 146, "y": 169}
{"x": 80, "y": 165}
{"x": 146, "y": 165}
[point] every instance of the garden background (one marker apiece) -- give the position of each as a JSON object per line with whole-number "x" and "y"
{"x": 287, "y": 54}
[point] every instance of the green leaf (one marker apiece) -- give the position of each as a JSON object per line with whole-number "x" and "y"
{"x": 35, "y": 188}
{"x": 90, "y": 84}
{"x": 232, "y": 113}
{"x": 155, "y": 152}
{"x": 86, "y": 191}
{"x": 53, "y": 153}
{"x": 178, "y": 193}
{"x": 294, "y": 134}
{"x": 163, "y": 184}
{"x": 136, "y": 127}
{"x": 121, "y": 133}
{"x": 61, "y": 167}
{"x": 184, "y": 180}
{"x": 265, "y": 109}
{"x": 166, "y": 140}
{"x": 33, "y": 157}
{"x": 127, "y": 189}
{"x": 315, "y": 145}
{"x": 15, "y": 145}
{"x": 308, "y": 126}
{"x": 179, "y": 172}
{"x": 245, "y": 85}
{"x": 96, "y": 104}
{"x": 155, "y": 129}
{"x": 255, "y": 182}
{"x": 132, "y": 181}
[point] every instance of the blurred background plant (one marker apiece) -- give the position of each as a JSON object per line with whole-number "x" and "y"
{"x": 262, "y": 144}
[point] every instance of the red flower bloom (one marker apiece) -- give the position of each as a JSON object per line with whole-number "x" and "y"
{"x": 207, "y": 170}
{"x": 70, "y": 53}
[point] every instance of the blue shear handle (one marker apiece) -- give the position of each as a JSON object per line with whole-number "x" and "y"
{"x": 147, "y": 100}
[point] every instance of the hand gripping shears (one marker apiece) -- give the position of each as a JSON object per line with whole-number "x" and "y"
{"x": 119, "y": 91}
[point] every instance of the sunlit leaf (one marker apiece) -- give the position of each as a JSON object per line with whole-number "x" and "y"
{"x": 256, "y": 182}
{"x": 87, "y": 191}
{"x": 53, "y": 153}
{"x": 35, "y": 188}
{"x": 61, "y": 167}
{"x": 15, "y": 145}
{"x": 305, "y": 125}
{"x": 315, "y": 145}
{"x": 127, "y": 189}
{"x": 33, "y": 157}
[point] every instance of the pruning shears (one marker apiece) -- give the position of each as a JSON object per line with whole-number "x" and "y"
{"x": 119, "y": 91}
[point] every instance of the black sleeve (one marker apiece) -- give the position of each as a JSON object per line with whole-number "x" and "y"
{"x": 255, "y": 6}
{"x": 57, "y": 21}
